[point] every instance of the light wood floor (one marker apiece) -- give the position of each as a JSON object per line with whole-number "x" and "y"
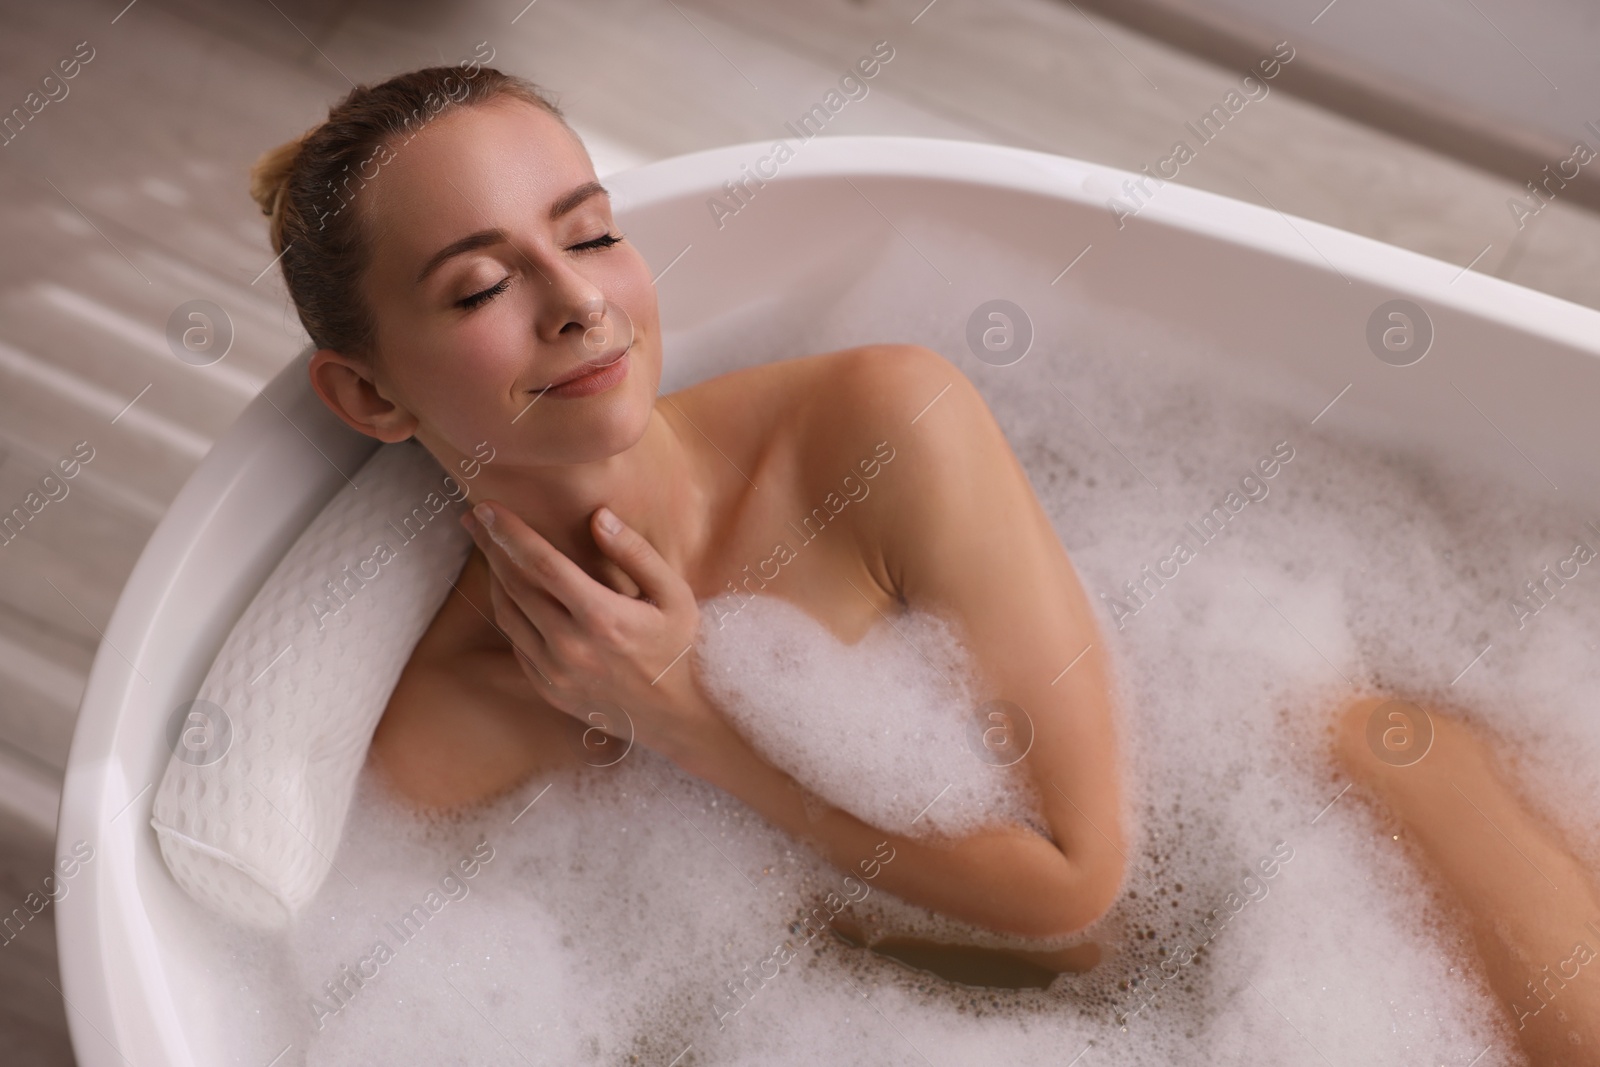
{"x": 128, "y": 198}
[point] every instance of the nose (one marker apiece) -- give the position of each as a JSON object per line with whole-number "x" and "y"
{"x": 587, "y": 331}
{"x": 573, "y": 306}
{"x": 598, "y": 332}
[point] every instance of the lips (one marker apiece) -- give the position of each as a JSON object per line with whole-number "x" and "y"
{"x": 588, "y": 381}
{"x": 585, "y": 370}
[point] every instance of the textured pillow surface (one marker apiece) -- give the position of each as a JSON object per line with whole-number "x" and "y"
{"x": 253, "y": 801}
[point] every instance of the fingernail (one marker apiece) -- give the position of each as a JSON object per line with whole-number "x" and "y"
{"x": 609, "y": 522}
{"x": 484, "y": 514}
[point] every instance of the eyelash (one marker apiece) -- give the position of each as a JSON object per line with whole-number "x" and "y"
{"x": 480, "y": 298}
{"x": 485, "y": 296}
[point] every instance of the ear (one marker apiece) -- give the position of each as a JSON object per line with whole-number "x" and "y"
{"x": 349, "y": 389}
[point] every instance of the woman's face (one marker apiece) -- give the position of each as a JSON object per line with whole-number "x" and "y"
{"x": 496, "y": 317}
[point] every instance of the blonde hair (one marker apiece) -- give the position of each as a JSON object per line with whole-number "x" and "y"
{"x": 304, "y": 185}
{"x": 269, "y": 182}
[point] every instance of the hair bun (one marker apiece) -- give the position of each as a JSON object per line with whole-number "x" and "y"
{"x": 269, "y": 177}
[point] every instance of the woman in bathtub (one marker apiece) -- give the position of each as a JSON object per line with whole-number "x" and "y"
{"x": 453, "y": 258}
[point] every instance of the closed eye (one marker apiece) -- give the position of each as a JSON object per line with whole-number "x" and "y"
{"x": 605, "y": 240}
{"x": 486, "y": 295}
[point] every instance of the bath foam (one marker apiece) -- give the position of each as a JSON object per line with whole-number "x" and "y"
{"x": 880, "y": 728}
{"x": 624, "y": 900}
{"x": 248, "y": 820}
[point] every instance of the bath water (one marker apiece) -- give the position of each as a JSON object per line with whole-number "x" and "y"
{"x": 632, "y": 914}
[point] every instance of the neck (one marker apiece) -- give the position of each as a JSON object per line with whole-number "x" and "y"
{"x": 652, "y": 486}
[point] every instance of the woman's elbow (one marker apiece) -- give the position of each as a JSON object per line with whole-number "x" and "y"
{"x": 1090, "y": 886}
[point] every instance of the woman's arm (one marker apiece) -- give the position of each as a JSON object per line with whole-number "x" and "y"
{"x": 1009, "y": 880}
{"x": 953, "y": 526}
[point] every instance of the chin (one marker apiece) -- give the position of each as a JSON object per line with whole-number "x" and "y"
{"x": 626, "y": 428}
{"x": 612, "y": 428}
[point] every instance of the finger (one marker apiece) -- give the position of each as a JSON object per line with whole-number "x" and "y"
{"x": 631, "y": 551}
{"x": 526, "y": 640}
{"x": 543, "y": 611}
{"x": 547, "y": 614}
{"x": 535, "y": 561}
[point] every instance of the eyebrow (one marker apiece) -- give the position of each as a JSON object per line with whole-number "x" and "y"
{"x": 483, "y": 238}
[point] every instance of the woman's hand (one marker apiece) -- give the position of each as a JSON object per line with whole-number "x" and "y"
{"x": 587, "y": 648}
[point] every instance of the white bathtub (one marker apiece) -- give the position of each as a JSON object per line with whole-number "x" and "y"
{"x": 1289, "y": 300}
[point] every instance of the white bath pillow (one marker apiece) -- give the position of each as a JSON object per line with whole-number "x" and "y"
{"x": 253, "y": 802}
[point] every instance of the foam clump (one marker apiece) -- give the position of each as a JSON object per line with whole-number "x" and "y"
{"x": 882, "y": 728}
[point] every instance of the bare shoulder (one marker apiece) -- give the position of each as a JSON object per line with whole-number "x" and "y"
{"x": 887, "y": 400}
{"x": 903, "y": 426}
{"x": 819, "y": 416}
{"x": 776, "y": 398}
{"x": 955, "y": 492}
{"x": 910, "y": 406}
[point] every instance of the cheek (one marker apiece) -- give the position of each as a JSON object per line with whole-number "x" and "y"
{"x": 443, "y": 375}
{"x": 630, "y": 286}
{"x": 468, "y": 386}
